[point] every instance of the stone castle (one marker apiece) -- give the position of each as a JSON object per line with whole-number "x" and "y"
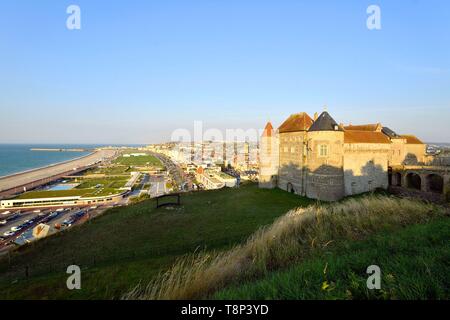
{"x": 323, "y": 160}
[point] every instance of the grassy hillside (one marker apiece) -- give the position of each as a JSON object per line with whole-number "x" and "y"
{"x": 132, "y": 244}
{"x": 292, "y": 239}
{"x": 414, "y": 262}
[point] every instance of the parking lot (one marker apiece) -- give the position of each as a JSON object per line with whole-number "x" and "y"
{"x": 13, "y": 224}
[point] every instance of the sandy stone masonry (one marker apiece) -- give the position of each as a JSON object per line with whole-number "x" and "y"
{"x": 323, "y": 160}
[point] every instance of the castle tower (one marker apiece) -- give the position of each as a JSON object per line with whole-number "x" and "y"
{"x": 325, "y": 160}
{"x": 268, "y": 158}
{"x": 292, "y": 137}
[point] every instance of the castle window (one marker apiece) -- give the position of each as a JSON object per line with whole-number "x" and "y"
{"x": 323, "y": 150}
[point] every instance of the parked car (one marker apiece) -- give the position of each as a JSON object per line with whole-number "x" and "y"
{"x": 16, "y": 228}
{"x": 79, "y": 214}
{"x": 12, "y": 218}
{"x": 68, "y": 222}
{"x": 9, "y": 233}
{"x": 6, "y": 212}
{"x": 36, "y": 211}
{"x": 3, "y": 222}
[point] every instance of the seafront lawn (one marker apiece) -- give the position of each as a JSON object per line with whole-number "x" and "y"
{"x": 108, "y": 182}
{"x": 112, "y": 170}
{"x": 130, "y": 244}
{"x": 147, "y": 160}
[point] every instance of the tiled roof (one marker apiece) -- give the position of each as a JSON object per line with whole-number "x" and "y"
{"x": 410, "y": 139}
{"x": 268, "y": 130}
{"x": 325, "y": 123}
{"x": 363, "y": 127}
{"x": 200, "y": 170}
{"x": 296, "y": 122}
{"x": 353, "y": 136}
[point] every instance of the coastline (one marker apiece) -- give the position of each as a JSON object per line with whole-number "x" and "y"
{"x": 32, "y": 178}
{"x": 47, "y": 166}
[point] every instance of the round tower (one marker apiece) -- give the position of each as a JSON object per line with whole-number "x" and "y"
{"x": 268, "y": 158}
{"x": 325, "y": 160}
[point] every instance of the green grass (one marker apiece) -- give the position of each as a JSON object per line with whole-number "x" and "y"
{"x": 292, "y": 238}
{"x": 68, "y": 193}
{"x": 147, "y": 160}
{"x": 109, "y": 182}
{"x": 414, "y": 262}
{"x": 112, "y": 170}
{"x": 128, "y": 245}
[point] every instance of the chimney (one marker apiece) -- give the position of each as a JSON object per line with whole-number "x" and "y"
{"x": 315, "y": 116}
{"x": 379, "y": 127}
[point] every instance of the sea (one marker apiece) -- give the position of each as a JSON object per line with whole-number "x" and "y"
{"x": 15, "y": 158}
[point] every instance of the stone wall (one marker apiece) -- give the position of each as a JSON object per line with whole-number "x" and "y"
{"x": 398, "y": 151}
{"x": 447, "y": 187}
{"x": 414, "y": 154}
{"x": 269, "y": 161}
{"x": 291, "y": 155}
{"x": 365, "y": 167}
{"x": 325, "y": 179}
{"x": 442, "y": 159}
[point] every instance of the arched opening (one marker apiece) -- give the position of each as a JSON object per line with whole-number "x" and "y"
{"x": 398, "y": 179}
{"x": 290, "y": 188}
{"x": 435, "y": 183}
{"x": 413, "y": 181}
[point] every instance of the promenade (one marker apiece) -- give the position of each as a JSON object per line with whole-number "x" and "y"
{"x": 39, "y": 176}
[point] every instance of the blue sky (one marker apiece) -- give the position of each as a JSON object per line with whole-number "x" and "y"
{"x": 137, "y": 70}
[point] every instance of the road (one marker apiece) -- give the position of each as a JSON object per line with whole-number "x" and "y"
{"x": 24, "y": 178}
{"x": 174, "y": 170}
{"x": 158, "y": 186}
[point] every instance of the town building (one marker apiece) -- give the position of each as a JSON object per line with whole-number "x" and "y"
{"x": 23, "y": 202}
{"x": 213, "y": 179}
